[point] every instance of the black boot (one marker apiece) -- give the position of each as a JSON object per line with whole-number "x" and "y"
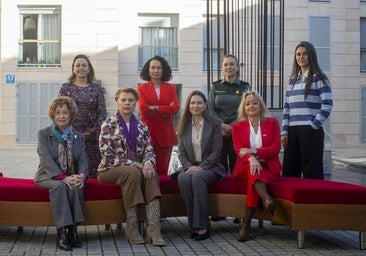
{"x": 62, "y": 241}
{"x": 73, "y": 237}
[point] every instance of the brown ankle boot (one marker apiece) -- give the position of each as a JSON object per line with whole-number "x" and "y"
{"x": 153, "y": 233}
{"x": 131, "y": 230}
{"x": 244, "y": 231}
{"x": 245, "y": 228}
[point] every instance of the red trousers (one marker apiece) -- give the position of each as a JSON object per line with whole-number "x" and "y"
{"x": 265, "y": 176}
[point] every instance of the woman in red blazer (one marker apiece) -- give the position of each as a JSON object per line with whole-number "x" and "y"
{"x": 257, "y": 143}
{"x": 158, "y": 103}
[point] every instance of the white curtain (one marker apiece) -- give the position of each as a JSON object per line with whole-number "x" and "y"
{"x": 158, "y": 41}
{"x": 50, "y": 33}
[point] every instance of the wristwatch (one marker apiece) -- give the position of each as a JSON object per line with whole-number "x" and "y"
{"x": 254, "y": 152}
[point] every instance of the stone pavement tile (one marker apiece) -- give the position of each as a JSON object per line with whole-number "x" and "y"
{"x": 269, "y": 240}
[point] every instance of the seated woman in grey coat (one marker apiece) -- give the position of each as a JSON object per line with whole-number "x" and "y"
{"x": 63, "y": 168}
{"x": 200, "y": 143}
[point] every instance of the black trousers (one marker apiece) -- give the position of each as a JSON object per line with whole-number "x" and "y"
{"x": 228, "y": 156}
{"x": 304, "y": 155}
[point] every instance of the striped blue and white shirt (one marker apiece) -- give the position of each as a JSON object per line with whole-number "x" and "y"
{"x": 313, "y": 110}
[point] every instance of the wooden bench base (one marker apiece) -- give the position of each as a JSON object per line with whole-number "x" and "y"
{"x": 299, "y": 217}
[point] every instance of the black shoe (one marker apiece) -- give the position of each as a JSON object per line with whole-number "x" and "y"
{"x": 202, "y": 236}
{"x": 62, "y": 241}
{"x": 276, "y": 224}
{"x": 72, "y": 235}
{"x": 217, "y": 218}
{"x": 236, "y": 220}
{"x": 194, "y": 235}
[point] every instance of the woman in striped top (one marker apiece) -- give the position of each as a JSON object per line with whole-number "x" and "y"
{"x": 308, "y": 104}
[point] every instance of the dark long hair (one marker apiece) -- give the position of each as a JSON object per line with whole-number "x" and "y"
{"x": 91, "y": 75}
{"x": 314, "y": 67}
{"x": 187, "y": 116}
{"x": 167, "y": 70}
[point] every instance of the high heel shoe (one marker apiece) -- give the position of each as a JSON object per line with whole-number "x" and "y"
{"x": 154, "y": 236}
{"x": 200, "y": 237}
{"x": 269, "y": 205}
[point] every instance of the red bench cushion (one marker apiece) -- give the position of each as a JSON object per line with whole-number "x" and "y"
{"x": 296, "y": 190}
{"x": 312, "y": 191}
{"x": 94, "y": 190}
{"x": 230, "y": 185}
{"x": 19, "y": 190}
{"x": 24, "y": 190}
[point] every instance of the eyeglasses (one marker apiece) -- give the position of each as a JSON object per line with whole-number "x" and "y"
{"x": 62, "y": 113}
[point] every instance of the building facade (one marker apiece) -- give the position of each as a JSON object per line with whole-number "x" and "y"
{"x": 38, "y": 40}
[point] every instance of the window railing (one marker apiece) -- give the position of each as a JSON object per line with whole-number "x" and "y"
{"x": 39, "y": 53}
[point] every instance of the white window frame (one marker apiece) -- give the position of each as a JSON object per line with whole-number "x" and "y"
{"x": 39, "y": 43}
{"x": 153, "y": 38}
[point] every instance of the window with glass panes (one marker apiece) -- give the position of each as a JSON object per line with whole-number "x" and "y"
{"x": 319, "y": 35}
{"x": 39, "y": 43}
{"x": 158, "y": 35}
{"x": 215, "y": 42}
{"x": 363, "y": 45}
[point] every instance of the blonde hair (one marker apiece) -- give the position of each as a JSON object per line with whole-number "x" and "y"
{"x": 241, "y": 110}
{"x": 124, "y": 89}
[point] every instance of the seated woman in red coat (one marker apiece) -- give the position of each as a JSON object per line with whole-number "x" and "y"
{"x": 257, "y": 143}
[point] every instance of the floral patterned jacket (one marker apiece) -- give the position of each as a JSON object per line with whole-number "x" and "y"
{"x": 114, "y": 148}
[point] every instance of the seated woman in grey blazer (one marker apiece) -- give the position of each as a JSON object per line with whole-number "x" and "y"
{"x": 63, "y": 168}
{"x": 200, "y": 143}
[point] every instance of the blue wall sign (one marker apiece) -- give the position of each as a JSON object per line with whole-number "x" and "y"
{"x": 9, "y": 79}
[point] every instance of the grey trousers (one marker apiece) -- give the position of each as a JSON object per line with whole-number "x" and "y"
{"x": 66, "y": 203}
{"x": 195, "y": 195}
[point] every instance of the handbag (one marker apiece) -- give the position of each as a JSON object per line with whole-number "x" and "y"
{"x": 175, "y": 167}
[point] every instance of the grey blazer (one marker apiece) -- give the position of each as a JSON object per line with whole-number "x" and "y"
{"x": 211, "y": 146}
{"x": 47, "y": 149}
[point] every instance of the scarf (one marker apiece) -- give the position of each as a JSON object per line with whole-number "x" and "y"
{"x": 131, "y": 134}
{"x": 65, "y": 149}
